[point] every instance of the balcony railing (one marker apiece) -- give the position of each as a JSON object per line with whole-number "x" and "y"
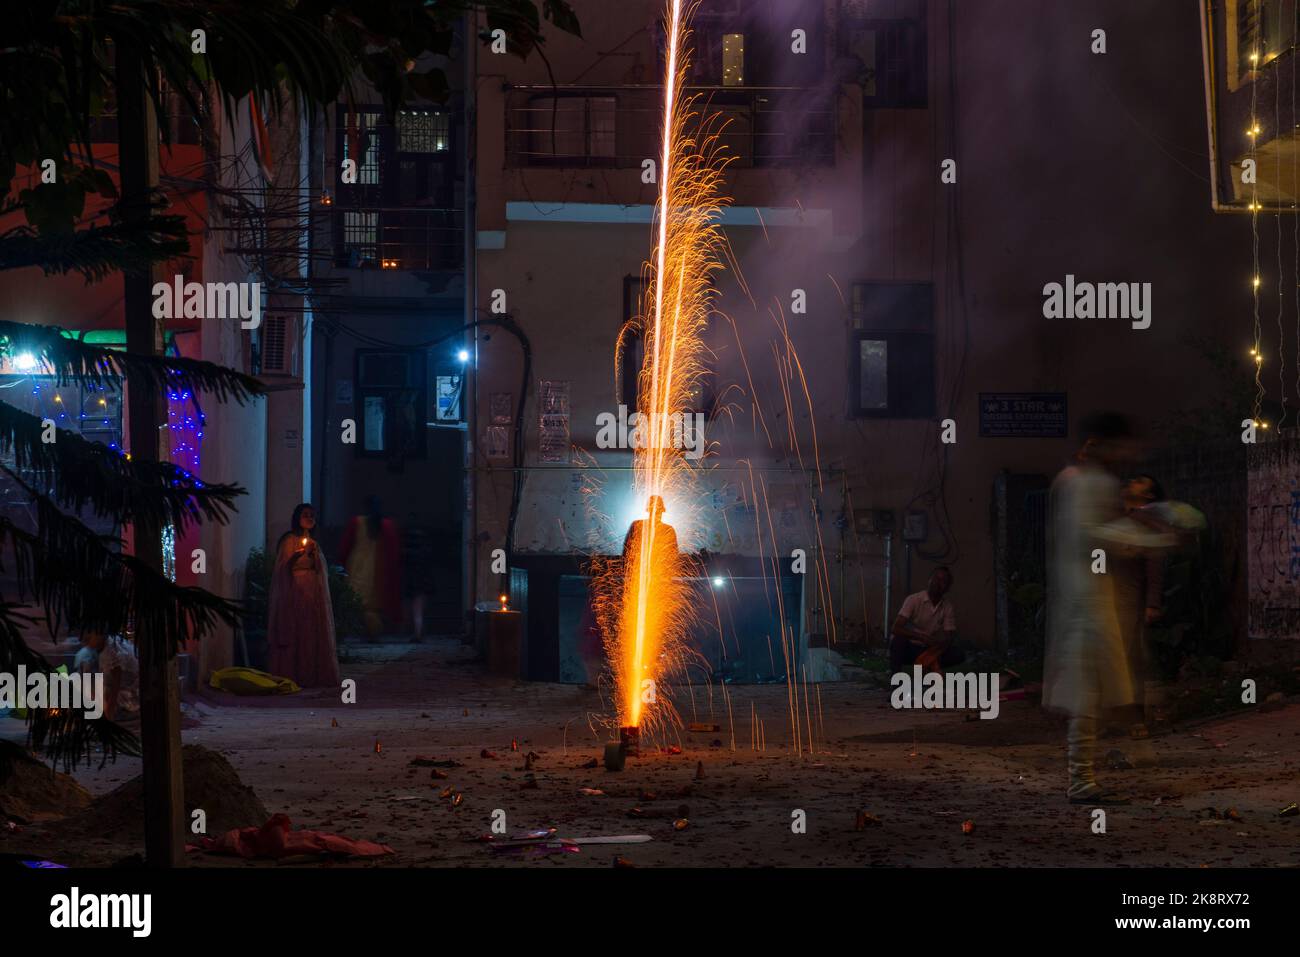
{"x": 619, "y": 126}
{"x": 399, "y": 238}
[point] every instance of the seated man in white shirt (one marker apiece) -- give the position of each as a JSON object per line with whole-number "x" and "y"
{"x": 926, "y": 623}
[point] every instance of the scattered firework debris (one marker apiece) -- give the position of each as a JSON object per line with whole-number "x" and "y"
{"x": 865, "y": 820}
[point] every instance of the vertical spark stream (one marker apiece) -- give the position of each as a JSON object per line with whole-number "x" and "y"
{"x": 655, "y": 608}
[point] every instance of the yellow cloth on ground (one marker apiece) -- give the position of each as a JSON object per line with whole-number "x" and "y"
{"x": 251, "y": 681}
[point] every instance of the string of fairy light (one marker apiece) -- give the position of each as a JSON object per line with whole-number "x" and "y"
{"x": 1254, "y": 207}
{"x": 185, "y": 424}
{"x": 1261, "y": 60}
{"x": 1277, "y": 217}
{"x": 1259, "y": 63}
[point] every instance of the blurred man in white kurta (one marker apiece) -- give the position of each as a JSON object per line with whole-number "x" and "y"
{"x": 1086, "y": 671}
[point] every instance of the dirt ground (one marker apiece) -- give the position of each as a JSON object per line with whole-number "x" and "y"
{"x": 921, "y": 774}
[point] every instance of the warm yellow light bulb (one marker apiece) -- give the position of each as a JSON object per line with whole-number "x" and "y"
{"x": 1255, "y": 282}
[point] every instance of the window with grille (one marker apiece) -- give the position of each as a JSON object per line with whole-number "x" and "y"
{"x": 892, "y": 351}
{"x": 890, "y": 57}
{"x": 274, "y": 354}
{"x": 361, "y": 135}
{"x": 420, "y": 131}
{"x": 400, "y": 213}
{"x": 572, "y": 129}
{"x": 360, "y": 236}
{"x": 1265, "y": 29}
{"x": 704, "y": 396}
{"x": 747, "y": 43}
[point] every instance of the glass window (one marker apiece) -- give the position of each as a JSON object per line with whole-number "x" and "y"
{"x": 873, "y": 372}
{"x": 360, "y": 236}
{"x": 374, "y": 423}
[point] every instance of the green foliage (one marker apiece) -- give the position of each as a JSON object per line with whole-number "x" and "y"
{"x": 1228, "y": 391}
{"x": 349, "y": 610}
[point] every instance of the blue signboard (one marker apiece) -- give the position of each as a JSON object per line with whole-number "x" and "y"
{"x": 1023, "y": 415}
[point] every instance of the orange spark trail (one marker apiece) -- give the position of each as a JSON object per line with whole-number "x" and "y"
{"x": 653, "y": 609}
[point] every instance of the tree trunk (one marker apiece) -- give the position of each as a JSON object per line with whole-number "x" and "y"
{"x": 160, "y": 729}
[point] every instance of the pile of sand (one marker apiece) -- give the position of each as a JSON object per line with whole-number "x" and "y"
{"x": 210, "y": 784}
{"x": 31, "y": 792}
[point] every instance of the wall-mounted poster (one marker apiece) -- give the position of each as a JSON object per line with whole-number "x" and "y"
{"x": 553, "y": 427}
{"x": 496, "y": 443}
{"x": 502, "y": 408}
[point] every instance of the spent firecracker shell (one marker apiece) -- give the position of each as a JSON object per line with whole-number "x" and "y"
{"x": 865, "y": 820}
{"x": 681, "y": 824}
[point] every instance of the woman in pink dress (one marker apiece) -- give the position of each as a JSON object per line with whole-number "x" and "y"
{"x": 300, "y": 629}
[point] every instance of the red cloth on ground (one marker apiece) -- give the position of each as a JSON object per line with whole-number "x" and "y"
{"x": 276, "y": 838}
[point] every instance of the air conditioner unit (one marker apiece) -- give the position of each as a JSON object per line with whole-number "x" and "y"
{"x": 278, "y": 345}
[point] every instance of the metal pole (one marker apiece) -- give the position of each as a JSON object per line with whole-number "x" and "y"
{"x": 470, "y": 551}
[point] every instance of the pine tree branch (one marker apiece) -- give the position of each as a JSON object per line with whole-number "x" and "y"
{"x": 81, "y": 473}
{"x": 97, "y": 252}
{"x": 14, "y": 619}
{"x": 72, "y": 573}
{"x": 73, "y": 360}
{"x": 65, "y": 736}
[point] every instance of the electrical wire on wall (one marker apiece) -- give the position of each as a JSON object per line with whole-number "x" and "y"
{"x": 935, "y": 498}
